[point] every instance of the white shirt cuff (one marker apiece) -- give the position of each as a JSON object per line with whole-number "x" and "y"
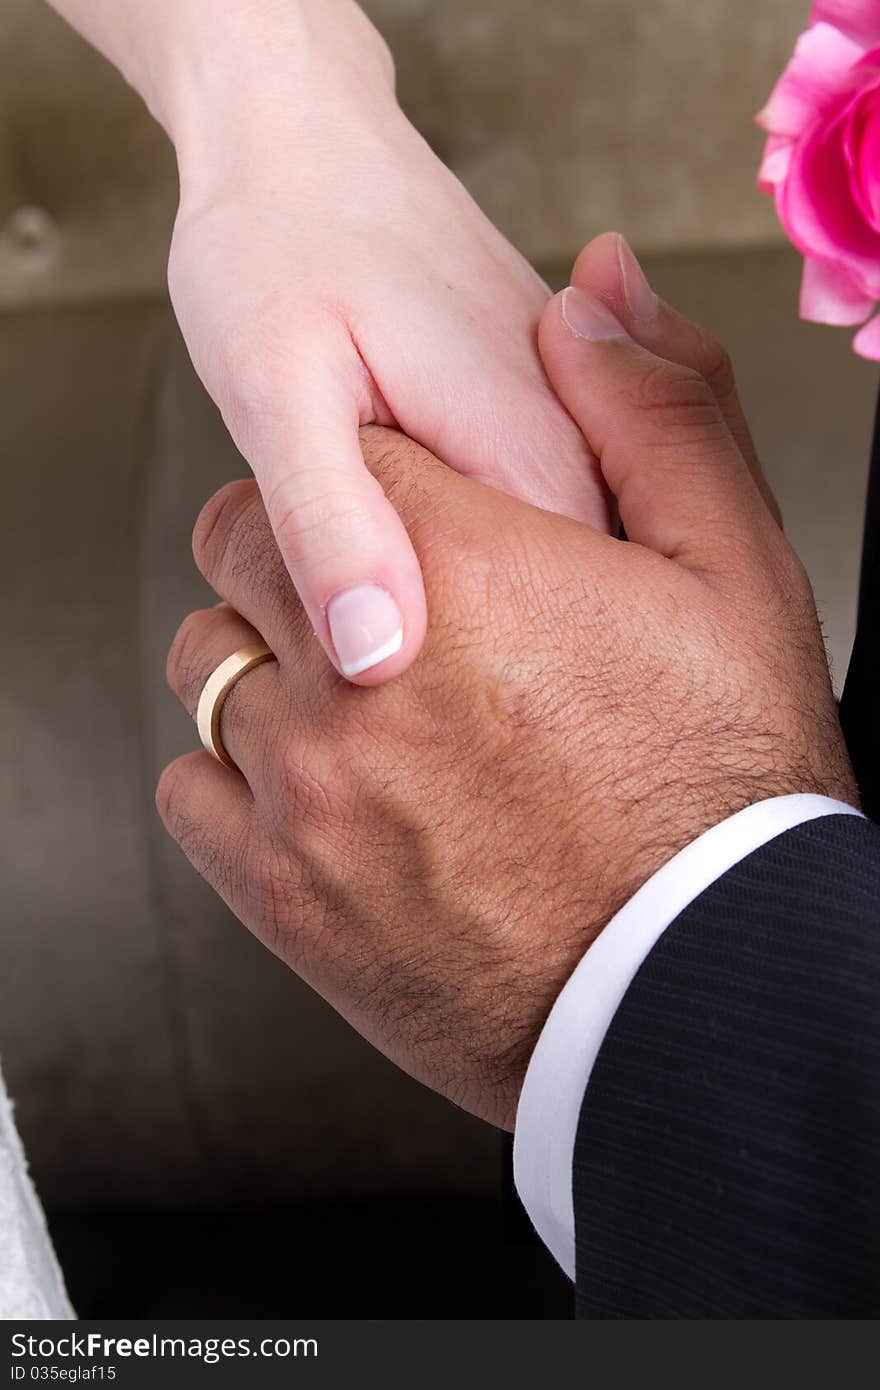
{"x": 552, "y": 1094}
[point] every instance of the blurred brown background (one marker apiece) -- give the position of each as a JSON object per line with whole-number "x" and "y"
{"x": 165, "y": 1068}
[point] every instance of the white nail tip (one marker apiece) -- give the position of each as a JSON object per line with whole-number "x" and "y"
{"x": 373, "y": 658}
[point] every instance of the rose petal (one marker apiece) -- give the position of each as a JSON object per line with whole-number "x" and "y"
{"x": 817, "y": 209}
{"x": 867, "y": 343}
{"x": 829, "y": 294}
{"x": 861, "y": 145}
{"x": 871, "y": 59}
{"x": 775, "y": 163}
{"x": 823, "y": 68}
{"x": 869, "y": 164}
{"x": 858, "y": 19}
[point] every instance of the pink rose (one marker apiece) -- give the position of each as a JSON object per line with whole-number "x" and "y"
{"x": 822, "y": 164}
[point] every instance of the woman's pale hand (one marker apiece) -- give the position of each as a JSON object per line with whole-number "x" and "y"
{"x": 328, "y": 271}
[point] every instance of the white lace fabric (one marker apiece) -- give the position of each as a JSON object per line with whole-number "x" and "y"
{"x": 31, "y": 1282}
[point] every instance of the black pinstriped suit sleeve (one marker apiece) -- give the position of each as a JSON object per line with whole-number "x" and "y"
{"x": 728, "y": 1154}
{"x": 861, "y": 694}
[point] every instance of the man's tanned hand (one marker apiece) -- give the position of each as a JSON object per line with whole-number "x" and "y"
{"x": 434, "y": 856}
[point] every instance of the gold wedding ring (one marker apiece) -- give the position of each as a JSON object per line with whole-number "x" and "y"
{"x": 217, "y": 687}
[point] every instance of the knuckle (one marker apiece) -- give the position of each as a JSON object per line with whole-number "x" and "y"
{"x": 183, "y": 664}
{"x": 716, "y": 366}
{"x": 303, "y": 518}
{"x": 314, "y": 784}
{"x": 794, "y": 581}
{"x": 677, "y": 406}
{"x": 167, "y": 798}
{"x": 175, "y": 806}
{"x": 219, "y": 522}
{"x": 670, "y": 387}
{"x": 266, "y": 884}
{"x": 219, "y": 857}
{"x": 276, "y": 893}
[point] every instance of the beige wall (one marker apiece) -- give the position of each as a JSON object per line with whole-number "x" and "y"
{"x": 562, "y": 116}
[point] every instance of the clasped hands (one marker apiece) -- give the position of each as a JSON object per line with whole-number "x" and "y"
{"x": 434, "y": 854}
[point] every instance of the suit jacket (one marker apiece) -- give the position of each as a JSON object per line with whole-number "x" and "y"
{"x": 861, "y": 693}
{"x": 727, "y": 1161}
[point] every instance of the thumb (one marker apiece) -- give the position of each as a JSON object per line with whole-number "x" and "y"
{"x": 608, "y": 268}
{"x": 667, "y": 454}
{"x": 346, "y": 549}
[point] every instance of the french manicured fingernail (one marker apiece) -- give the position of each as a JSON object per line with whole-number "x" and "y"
{"x": 641, "y": 300}
{"x": 366, "y": 627}
{"x": 587, "y": 317}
